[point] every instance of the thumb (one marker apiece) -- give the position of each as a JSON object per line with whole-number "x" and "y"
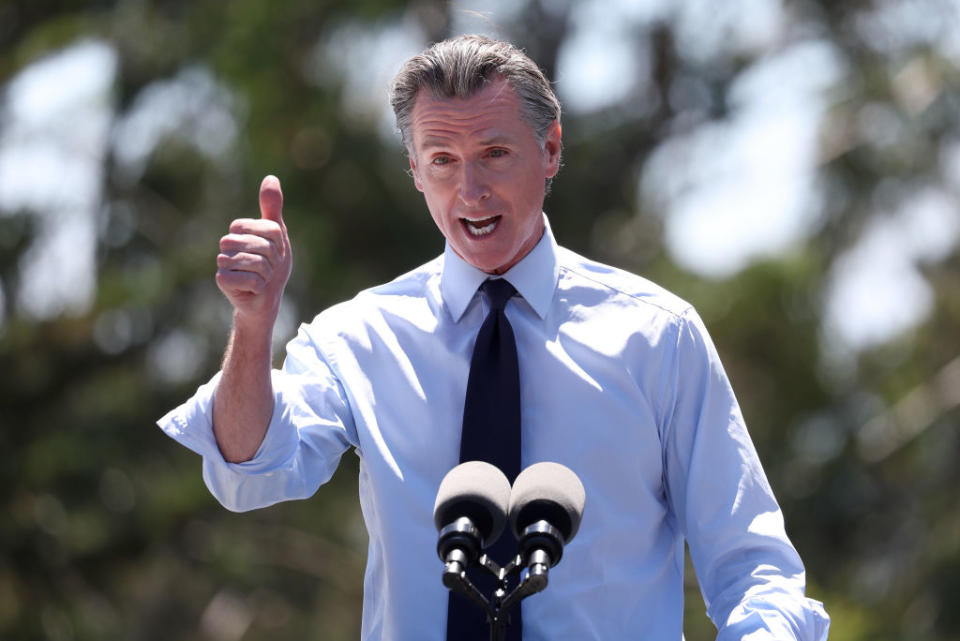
{"x": 271, "y": 200}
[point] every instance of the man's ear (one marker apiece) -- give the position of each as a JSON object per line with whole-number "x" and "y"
{"x": 552, "y": 146}
{"x": 413, "y": 172}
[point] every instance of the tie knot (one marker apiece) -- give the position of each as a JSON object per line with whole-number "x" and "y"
{"x": 498, "y": 292}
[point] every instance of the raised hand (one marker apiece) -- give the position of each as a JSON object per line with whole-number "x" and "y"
{"x": 255, "y": 260}
{"x": 252, "y": 270}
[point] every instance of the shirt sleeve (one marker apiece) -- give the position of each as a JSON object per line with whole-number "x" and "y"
{"x": 751, "y": 577}
{"x": 309, "y": 430}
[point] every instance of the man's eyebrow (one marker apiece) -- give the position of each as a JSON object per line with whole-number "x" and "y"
{"x": 430, "y": 142}
{"x": 498, "y": 139}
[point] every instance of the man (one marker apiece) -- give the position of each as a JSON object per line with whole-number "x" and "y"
{"x": 618, "y": 381}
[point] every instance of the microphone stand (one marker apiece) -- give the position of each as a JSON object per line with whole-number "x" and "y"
{"x": 498, "y": 608}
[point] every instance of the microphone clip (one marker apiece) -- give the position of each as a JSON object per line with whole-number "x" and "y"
{"x": 532, "y": 557}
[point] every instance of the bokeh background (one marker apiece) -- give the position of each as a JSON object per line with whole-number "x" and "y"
{"x": 790, "y": 167}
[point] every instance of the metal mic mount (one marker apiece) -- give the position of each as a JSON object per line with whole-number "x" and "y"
{"x": 540, "y": 548}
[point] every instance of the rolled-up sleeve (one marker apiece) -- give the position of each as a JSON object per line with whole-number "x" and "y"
{"x": 751, "y": 577}
{"x": 309, "y": 430}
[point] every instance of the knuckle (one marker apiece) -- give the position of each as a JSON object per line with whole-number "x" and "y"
{"x": 255, "y": 284}
{"x": 238, "y": 225}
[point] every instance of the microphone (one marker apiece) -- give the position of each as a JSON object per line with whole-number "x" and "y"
{"x": 470, "y": 513}
{"x": 546, "y": 506}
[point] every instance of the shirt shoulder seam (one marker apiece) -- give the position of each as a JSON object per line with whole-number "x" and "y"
{"x": 677, "y": 315}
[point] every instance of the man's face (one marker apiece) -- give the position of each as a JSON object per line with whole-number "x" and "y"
{"x": 483, "y": 173}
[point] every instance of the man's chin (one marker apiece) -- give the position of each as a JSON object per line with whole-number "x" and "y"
{"x": 488, "y": 262}
{"x": 491, "y": 258}
{"x": 492, "y": 265}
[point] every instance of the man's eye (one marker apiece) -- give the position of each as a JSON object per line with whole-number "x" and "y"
{"x": 498, "y": 153}
{"x": 441, "y": 160}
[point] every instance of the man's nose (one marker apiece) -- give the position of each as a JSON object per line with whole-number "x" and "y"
{"x": 474, "y": 187}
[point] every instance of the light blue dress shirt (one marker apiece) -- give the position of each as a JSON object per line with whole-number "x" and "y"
{"x": 619, "y": 382}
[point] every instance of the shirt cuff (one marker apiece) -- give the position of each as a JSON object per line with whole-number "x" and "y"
{"x": 191, "y": 425}
{"x": 775, "y": 618}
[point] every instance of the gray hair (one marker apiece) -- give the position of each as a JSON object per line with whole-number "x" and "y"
{"x": 462, "y": 66}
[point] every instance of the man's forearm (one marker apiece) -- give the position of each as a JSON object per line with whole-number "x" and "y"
{"x": 243, "y": 401}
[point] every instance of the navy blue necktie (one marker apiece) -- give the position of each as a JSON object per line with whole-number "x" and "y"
{"x": 491, "y": 433}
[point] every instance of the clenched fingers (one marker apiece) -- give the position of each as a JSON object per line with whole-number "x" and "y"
{"x": 234, "y": 282}
{"x": 252, "y": 256}
{"x": 262, "y": 228}
{"x": 246, "y": 262}
{"x": 235, "y": 244}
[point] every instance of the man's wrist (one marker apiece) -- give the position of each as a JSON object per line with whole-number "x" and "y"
{"x": 254, "y": 327}
{"x": 251, "y": 341}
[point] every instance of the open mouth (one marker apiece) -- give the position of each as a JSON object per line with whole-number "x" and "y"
{"x": 480, "y": 226}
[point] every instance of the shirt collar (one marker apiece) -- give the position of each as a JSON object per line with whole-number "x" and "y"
{"x": 535, "y": 277}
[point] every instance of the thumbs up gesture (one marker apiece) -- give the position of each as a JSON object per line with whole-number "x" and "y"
{"x": 255, "y": 260}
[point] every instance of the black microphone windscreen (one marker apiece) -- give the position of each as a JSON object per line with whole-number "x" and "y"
{"x": 549, "y": 492}
{"x": 477, "y": 490}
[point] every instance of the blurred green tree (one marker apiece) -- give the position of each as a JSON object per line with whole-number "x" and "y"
{"x": 108, "y": 532}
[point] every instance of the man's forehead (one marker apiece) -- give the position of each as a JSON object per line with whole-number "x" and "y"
{"x": 493, "y": 107}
